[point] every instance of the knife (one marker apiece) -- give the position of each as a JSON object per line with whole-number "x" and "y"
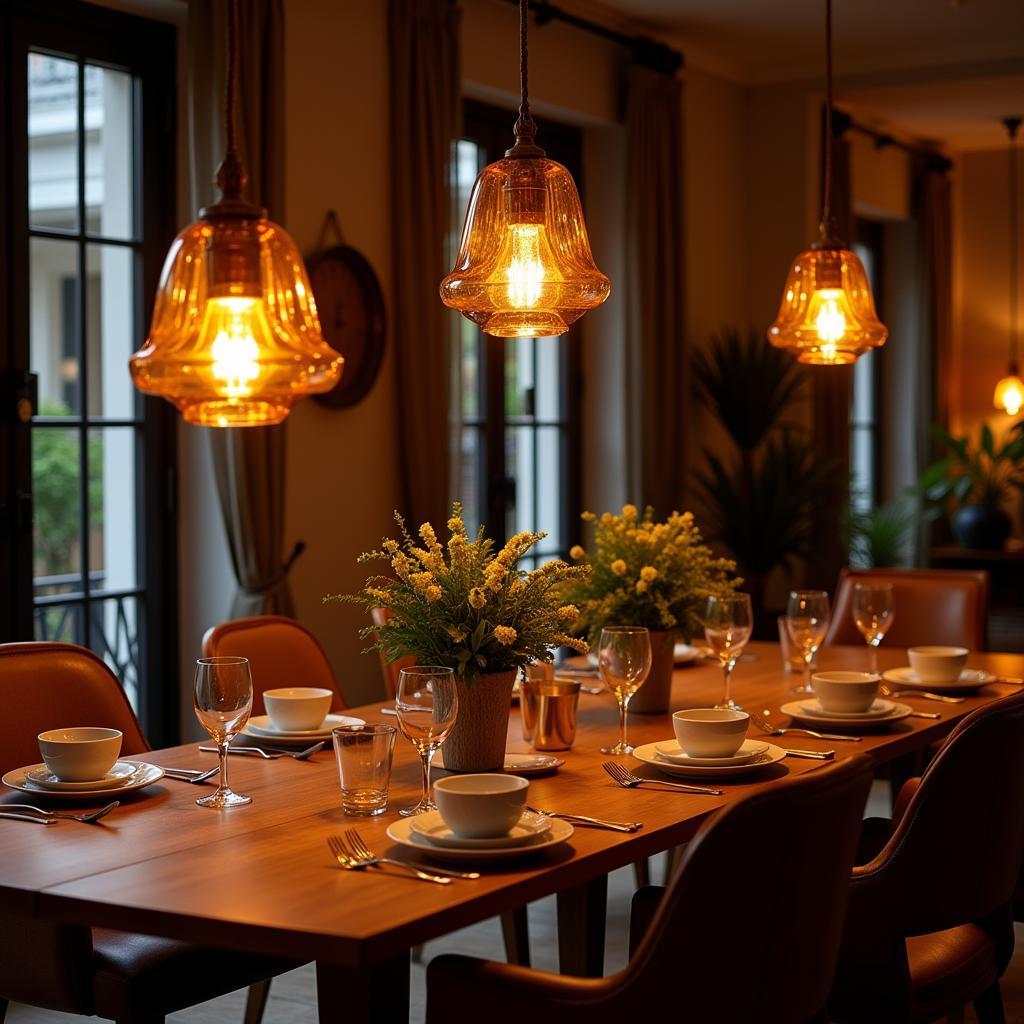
{"x": 814, "y": 755}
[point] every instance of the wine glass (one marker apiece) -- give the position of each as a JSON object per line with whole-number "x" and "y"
{"x": 426, "y": 703}
{"x": 807, "y": 621}
{"x": 222, "y": 698}
{"x": 624, "y": 660}
{"x": 873, "y": 611}
{"x": 728, "y": 623}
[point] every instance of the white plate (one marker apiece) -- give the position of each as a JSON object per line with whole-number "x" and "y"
{"x": 515, "y": 764}
{"x": 795, "y": 711}
{"x": 431, "y": 826}
{"x": 970, "y": 679}
{"x": 401, "y": 832}
{"x": 260, "y": 727}
{"x": 682, "y": 654}
{"x": 648, "y": 753}
{"x": 879, "y": 709}
{"x": 42, "y": 776}
{"x": 669, "y": 750}
{"x": 146, "y": 776}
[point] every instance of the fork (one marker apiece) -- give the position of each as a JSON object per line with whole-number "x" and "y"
{"x": 358, "y": 846}
{"x": 271, "y": 755}
{"x": 189, "y": 775}
{"x": 582, "y": 819}
{"x": 625, "y": 778}
{"x": 888, "y": 691}
{"x": 87, "y": 816}
{"x": 347, "y": 860}
{"x": 774, "y": 730}
{"x": 28, "y": 817}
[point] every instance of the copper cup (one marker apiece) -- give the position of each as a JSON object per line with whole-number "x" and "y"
{"x": 548, "y": 709}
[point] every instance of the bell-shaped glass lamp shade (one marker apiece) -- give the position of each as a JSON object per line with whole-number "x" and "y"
{"x": 827, "y": 315}
{"x": 1009, "y": 394}
{"x": 235, "y": 339}
{"x": 524, "y": 268}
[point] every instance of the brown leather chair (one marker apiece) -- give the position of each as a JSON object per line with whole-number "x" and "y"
{"x": 933, "y": 606}
{"x": 748, "y": 929}
{"x": 928, "y": 928}
{"x": 281, "y": 652}
{"x": 117, "y": 975}
{"x": 389, "y": 669}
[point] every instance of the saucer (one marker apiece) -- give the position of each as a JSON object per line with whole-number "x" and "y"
{"x": 795, "y": 710}
{"x": 879, "y": 709}
{"x": 648, "y": 753}
{"x": 260, "y": 727}
{"x": 431, "y": 826}
{"x": 670, "y": 751}
{"x": 515, "y": 764}
{"x": 401, "y": 832}
{"x": 145, "y": 775}
{"x": 970, "y": 679}
{"x": 42, "y": 776}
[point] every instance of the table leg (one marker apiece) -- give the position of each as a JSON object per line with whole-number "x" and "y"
{"x": 376, "y": 994}
{"x": 581, "y": 928}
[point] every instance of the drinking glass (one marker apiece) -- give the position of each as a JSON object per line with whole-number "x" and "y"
{"x": 222, "y": 698}
{"x": 363, "y": 754}
{"x": 728, "y": 623}
{"x": 427, "y": 703}
{"x": 873, "y": 611}
{"x": 807, "y": 620}
{"x": 624, "y": 660}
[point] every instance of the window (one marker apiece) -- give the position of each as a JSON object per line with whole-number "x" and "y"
{"x": 90, "y": 192}
{"x": 518, "y": 397}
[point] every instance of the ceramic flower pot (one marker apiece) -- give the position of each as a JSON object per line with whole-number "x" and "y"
{"x": 654, "y": 696}
{"x": 477, "y": 742}
{"x": 981, "y": 526}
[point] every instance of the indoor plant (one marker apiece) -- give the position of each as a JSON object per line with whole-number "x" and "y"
{"x": 652, "y": 574}
{"x": 471, "y": 609}
{"x": 973, "y": 485}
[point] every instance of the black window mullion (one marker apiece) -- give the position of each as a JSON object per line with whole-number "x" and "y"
{"x": 83, "y": 369}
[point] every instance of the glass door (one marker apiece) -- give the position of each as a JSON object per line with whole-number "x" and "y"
{"x": 90, "y": 205}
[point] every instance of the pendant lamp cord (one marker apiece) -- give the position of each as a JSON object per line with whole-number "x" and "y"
{"x": 828, "y": 226}
{"x": 526, "y": 128}
{"x": 1012, "y": 124}
{"x": 231, "y": 176}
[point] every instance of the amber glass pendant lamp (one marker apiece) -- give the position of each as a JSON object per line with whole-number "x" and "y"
{"x": 1009, "y": 395}
{"x": 827, "y": 315}
{"x": 524, "y": 268}
{"x": 235, "y": 339}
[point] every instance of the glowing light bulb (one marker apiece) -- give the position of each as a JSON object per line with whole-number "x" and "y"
{"x": 525, "y": 273}
{"x": 236, "y": 325}
{"x": 830, "y": 322}
{"x": 1009, "y": 394}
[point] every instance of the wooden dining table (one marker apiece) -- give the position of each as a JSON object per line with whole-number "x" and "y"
{"x": 260, "y": 878}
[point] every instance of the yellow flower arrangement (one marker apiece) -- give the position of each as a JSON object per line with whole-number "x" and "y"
{"x": 646, "y": 573}
{"x": 471, "y": 609}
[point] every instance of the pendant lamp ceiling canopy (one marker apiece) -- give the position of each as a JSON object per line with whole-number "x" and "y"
{"x": 235, "y": 339}
{"x": 1009, "y": 394}
{"x": 827, "y": 314}
{"x": 524, "y": 268}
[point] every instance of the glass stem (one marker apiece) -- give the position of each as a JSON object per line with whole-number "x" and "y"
{"x": 222, "y": 775}
{"x": 874, "y": 657}
{"x": 808, "y": 658}
{"x": 727, "y": 672}
{"x": 425, "y": 764}
{"x": 622, "y": 723}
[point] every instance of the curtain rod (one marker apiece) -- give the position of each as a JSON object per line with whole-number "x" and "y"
{"x": 647, "y": 52}
{"x": 936, "y": 161}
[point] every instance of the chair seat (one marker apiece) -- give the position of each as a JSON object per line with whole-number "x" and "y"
{"x": 951, "y": 967}
{"x": 144, "y": 976}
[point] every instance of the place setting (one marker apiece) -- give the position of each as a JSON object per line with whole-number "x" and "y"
{"x": 938, "y": 668}
{"x": 848, "y": 701}
{"x": 296, "y": 716}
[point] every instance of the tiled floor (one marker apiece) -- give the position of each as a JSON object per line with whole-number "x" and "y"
{"x": 293, "y": 996}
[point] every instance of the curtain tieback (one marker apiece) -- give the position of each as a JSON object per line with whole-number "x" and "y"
{"x": 275, "y": 581}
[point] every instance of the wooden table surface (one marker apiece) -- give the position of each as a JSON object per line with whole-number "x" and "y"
{"x": 261, "y": 878}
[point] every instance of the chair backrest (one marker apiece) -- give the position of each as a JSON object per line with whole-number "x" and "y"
{"x": 933, "y": 606}
{"x": 962, "y": 834}
{"x": 782, "y": 856}
{"x": 389, "y": 669}
{"x": 52, "y": 686}
{"x": 281, "y": 652}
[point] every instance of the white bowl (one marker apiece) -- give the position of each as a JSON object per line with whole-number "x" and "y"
{"x": 938, "y": 664}
{"x": 297, "y": 708}
{"x": 481, "y": 806}
{"x": 710, "y": 732}
{"x": 81, "y": 754}
{"x": 845, "y": 692}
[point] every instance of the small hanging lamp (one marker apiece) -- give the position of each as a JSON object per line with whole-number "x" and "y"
{"x": 827, "y": 315}
{"x": 1009, "y": 395}
{"x": 235, "y": 339}
{"x": 524, "y": 268}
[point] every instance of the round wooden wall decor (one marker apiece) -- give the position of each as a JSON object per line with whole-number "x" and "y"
{"x": 350, "y": 304}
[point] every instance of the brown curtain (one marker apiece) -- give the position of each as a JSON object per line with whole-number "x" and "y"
{"x": 832, "y": 386}
{"x": 657, "y": 355}
{"x": 248, "y": 463}
{"x": 423, "y": 36}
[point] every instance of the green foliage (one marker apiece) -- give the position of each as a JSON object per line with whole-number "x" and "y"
{"x": 880, "y": 537}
